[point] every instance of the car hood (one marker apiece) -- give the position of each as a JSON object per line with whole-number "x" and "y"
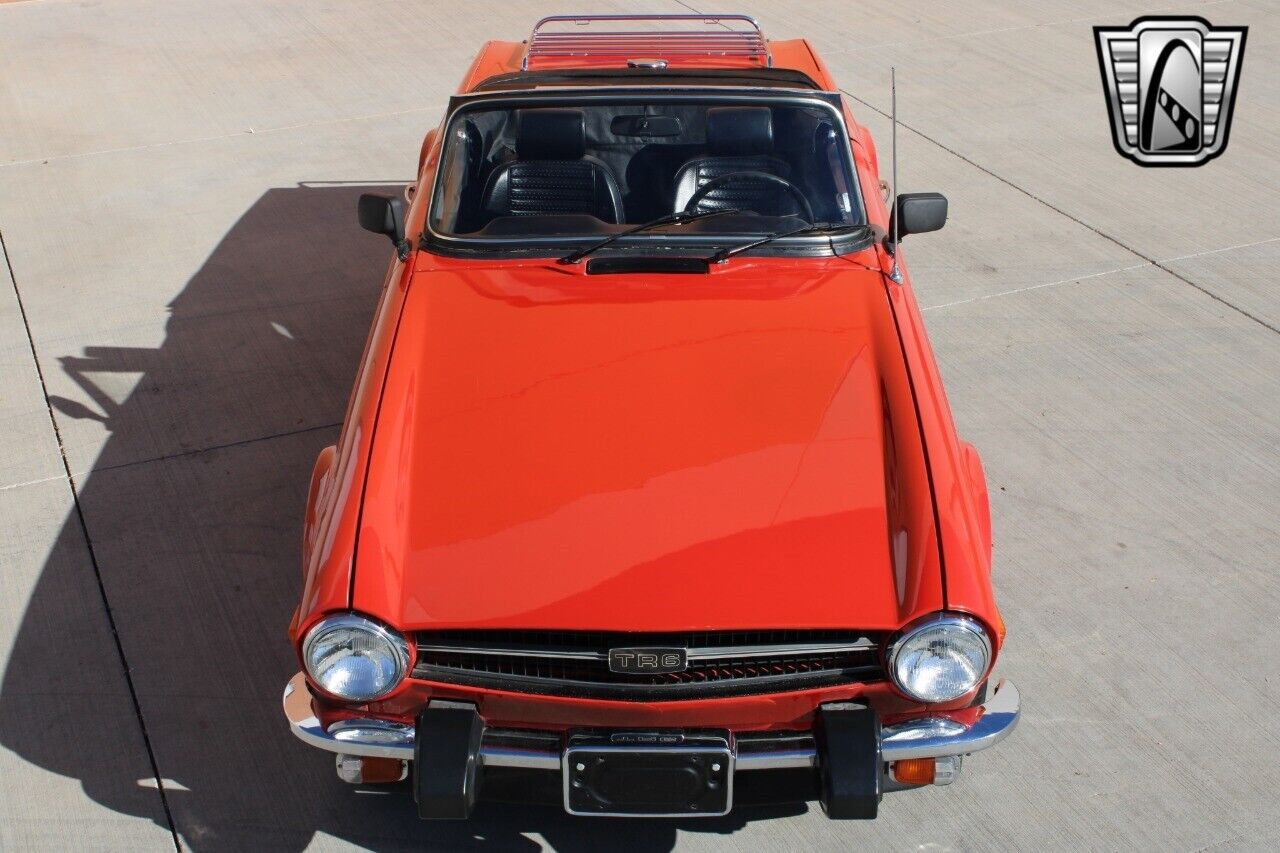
{"x": 647, "y": 453}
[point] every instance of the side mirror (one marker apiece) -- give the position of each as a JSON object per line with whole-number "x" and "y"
{"x": 382, "y": 214}
{"x": 918, "y": 213}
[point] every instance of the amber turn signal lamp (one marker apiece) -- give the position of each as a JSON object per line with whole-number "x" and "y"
{"x": 375, "y": 770}
{"x": 915, "y": 771}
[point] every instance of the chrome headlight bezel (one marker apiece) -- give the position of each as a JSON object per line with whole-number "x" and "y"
{"x": 396, "y": 649}
{"x": 953, "y": 622}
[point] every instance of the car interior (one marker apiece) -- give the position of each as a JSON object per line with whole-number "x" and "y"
{"x": 599, "y": 168}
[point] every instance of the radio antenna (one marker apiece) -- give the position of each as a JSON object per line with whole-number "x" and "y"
{"x": 895, "y": 274}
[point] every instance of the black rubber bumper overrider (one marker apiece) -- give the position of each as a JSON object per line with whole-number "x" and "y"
{"x": 849, "y": 761}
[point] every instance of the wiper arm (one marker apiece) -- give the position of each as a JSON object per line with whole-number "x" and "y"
{"x": 729, "y": 251}
{"x": 677, "y": 218}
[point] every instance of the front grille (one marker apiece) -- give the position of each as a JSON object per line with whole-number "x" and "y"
{"x": 721, "y": 663}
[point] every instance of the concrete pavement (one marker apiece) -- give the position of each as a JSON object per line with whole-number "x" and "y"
{"x": 185, "y": 295}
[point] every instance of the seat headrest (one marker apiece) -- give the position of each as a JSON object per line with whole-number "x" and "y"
{"x": 550, "y": 134}
{"x": 739, "y": 131}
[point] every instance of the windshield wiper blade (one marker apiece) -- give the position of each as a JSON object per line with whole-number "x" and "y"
{"x": 677, "y": 218}
{"x": 729, "y": 251}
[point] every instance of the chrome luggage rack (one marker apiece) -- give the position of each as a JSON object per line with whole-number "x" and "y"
{"x": 730, "y": 36}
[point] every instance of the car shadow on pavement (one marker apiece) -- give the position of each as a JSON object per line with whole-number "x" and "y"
{"x": 194, "y": 511}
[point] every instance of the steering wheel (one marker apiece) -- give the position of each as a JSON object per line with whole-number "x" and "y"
{"x": 715, "y": 183}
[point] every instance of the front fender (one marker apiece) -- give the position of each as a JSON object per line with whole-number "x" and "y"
{"x": 981, "y": 499}
{"x": 315, "y": 494}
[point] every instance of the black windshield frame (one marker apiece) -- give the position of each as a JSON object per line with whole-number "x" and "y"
{"x": 849, "y": 237}
{"x": 772, "y": 78}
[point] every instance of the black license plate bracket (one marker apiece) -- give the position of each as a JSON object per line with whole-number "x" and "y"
{"x": 648, "y": 781}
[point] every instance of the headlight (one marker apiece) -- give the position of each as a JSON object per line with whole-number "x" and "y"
{"x": 354, "y": 657}
{"x": 940, "y": 659}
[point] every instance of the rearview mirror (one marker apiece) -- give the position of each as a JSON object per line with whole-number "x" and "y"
{"x": 382, "y": 214}
{"x": 917, "y": 213}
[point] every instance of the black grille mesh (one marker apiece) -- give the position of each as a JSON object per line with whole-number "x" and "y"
{"x": 440, "y": 659}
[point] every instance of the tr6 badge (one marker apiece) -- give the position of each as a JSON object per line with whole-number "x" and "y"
{"x": 648, "y": 661}
{"x": 1170, "y": 85}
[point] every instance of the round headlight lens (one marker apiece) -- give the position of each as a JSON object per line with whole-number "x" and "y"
{"x": 941, "y": 659}
{"x": 355, "y": 658}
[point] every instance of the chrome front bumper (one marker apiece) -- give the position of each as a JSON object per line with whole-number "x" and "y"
{"x": 928, "y": 737}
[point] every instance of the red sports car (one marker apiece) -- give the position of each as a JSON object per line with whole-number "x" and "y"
{"x": 648, "y": 500}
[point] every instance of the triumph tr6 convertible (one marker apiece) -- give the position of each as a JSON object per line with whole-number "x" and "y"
{"x": 648, "y": 500}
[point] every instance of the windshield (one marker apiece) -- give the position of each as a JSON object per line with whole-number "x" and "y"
{"x": 595, "y": 169}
